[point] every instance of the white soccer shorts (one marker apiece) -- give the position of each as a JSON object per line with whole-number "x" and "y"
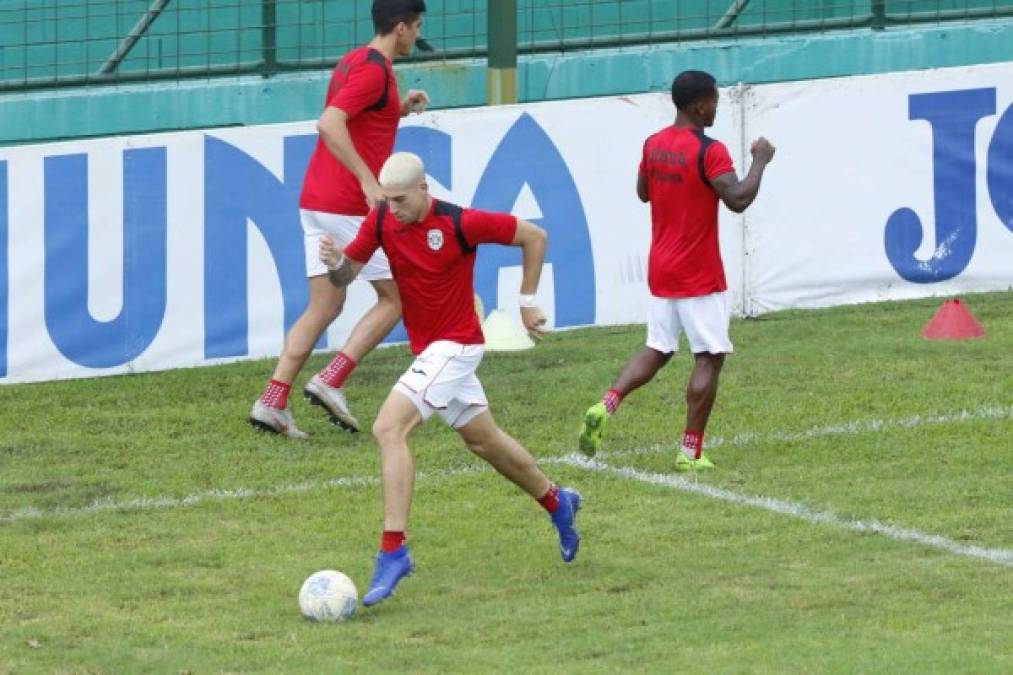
{"x": 703, "y": 319}
{"x": 342, "y": 229}
{"x": 442, "y": 380}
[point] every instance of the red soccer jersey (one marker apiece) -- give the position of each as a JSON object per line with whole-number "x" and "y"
{"x": 363, "y": 85}
{"x": 433, "y": 263}
{"x": 685, "y": 259}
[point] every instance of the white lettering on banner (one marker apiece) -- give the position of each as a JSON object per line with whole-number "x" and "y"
{"x": 209, "y": 261}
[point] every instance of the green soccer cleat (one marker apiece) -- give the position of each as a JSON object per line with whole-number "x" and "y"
{"x": 684, "y": 463}
{"x": 595, "y": 420}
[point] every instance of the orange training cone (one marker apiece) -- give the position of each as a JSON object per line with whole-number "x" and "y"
{"x": 953, "y": 321}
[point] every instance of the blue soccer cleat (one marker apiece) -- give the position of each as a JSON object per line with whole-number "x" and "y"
{"x": 390, "y": 569}
{"x": 565, "y": 520}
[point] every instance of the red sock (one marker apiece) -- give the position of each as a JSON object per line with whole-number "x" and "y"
{"x": 612, "y": 399}
{"x": 276, "y": 394}
{"x": 550, "y": 501}
{"x": 692, "y": 443}
{"x": 391, "y": 541}
{"x": 338, "y": 370}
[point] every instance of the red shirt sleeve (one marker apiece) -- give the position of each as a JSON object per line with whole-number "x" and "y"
{"x": 362, "y": 88}
{"x": 717, "y": 161}
{"x": 485, "y": 227}
{"x": 365, "y": 243}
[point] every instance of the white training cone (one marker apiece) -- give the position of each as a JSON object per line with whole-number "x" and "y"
{"x": 502, "y": 334}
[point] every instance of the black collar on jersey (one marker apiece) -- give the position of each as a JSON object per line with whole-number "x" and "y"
{"x": 440, "y": 208}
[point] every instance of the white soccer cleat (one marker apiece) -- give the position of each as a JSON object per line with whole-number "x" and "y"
{"x": 333, "y": 401}
{"x": 275, "y": 420}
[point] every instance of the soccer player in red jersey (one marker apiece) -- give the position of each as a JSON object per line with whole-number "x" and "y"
{"x": 431, "y": 247}
{"x": 357, "y": 131}
{"x": 683, "y": 174}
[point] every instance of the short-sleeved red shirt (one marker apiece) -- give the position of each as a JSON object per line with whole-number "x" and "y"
{"x": 685, "y": 259}
{"x": 363, "y": 85}
{"x": 433, "y": 263}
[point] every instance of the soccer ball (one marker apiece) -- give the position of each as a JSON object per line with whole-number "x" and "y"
{"x": 328, "y": 596}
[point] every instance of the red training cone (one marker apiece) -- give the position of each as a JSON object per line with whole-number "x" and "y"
{"x": 953, "y": 321}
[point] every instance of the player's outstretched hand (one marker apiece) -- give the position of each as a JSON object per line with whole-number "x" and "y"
{"x": 763, "y": 150}
{"x": 534, "y": 322}
{"x": 416, "y": 100}
{"x": 330, "y": 254}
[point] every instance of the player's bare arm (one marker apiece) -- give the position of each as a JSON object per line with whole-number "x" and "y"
{"x": 416, "y": 100}
{"x": 642, "y": 192}
{"x": 533, "y": 241}
{"x": 341, "y": 270}
{"x": 333, "y": 128}
{"x": 738, "y": 195}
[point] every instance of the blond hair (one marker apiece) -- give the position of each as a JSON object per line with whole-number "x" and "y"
{"x": 402, "y": 170}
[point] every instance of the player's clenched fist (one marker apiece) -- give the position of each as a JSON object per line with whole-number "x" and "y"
{"x": 415, "y": 101}
{"x": 763, "y": 150}
{"x": 330, "y": 254}
{"x": 534, "y": 321}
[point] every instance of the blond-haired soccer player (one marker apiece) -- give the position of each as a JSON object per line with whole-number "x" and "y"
{"x": 683, "y": 174}
{"x": 431, "y": 247}
{"x": 357, "y": 131}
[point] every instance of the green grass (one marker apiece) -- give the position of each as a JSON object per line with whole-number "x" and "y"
{"x": 92, "y": 581}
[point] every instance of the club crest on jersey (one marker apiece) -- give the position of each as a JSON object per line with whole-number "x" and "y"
{"x": 435, "y": 239}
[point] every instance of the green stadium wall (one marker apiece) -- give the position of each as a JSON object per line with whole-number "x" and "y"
{"x": 48, "y": 115}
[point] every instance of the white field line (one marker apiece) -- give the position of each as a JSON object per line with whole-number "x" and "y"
{"x": 150, "y": 503}
{"x": 855, "y": 427}
{"x": 999, "y": 556}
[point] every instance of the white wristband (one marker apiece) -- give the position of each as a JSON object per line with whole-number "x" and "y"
{"x": 526, "y": 300}
{"x": 337, "y": 264}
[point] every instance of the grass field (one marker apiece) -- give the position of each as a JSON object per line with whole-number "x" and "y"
{"x": 859, "y": 520}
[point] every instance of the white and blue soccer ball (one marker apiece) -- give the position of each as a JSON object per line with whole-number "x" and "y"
{"x": 328, "y": 595}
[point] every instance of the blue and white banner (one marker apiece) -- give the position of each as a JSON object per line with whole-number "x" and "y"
{"x": 884, "y": 187}
{"x": 162, "y": 251}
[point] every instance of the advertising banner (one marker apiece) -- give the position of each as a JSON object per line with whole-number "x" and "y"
{"x": 151, "y": 252}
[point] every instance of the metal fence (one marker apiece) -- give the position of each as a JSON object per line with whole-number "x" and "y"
{"x": 52, "y": 43}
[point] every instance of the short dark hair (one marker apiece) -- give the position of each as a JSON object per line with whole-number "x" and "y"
{"x": 690, "y": 86}
{"x": 387, "y": 14}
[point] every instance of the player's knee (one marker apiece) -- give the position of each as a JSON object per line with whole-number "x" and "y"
{"x": 702, "y": 386}
{"x": 479, "y": 449}
{"x": 387, "y": 432}
{"x": 489, "y": 442}
{"x": 321, "y": 314}
{"x": 392, "y": 303}
{"x": 325, "y": 305}
{"x": 656, "y": 358}
{"x": 386, "y": 292}
{"x": 478, "y": 443}
{"x": 381, "y": 430}
{"x": 330, "y": 311}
